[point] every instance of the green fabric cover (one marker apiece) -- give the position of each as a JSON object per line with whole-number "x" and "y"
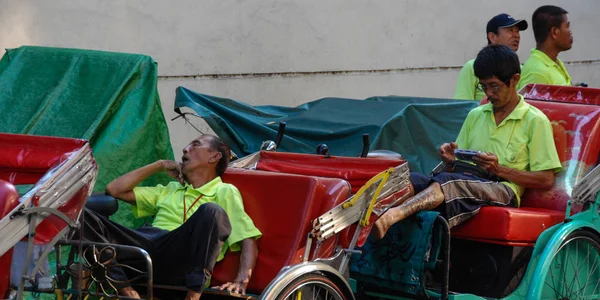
{"x": 110, "y": 99}
{"x": 412, "y": 126}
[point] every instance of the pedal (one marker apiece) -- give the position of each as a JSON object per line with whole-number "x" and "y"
{"x": 587, "y": 189}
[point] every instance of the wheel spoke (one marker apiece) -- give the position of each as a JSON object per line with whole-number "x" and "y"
{"x": 575, "y": 271}
{"x": 593, "y": 271}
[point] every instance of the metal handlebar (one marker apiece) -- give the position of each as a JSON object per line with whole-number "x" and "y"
{"x": 366, "y": 145}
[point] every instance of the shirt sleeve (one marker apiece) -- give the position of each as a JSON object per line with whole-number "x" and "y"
{"x": 542, "y": 150}
{"x": 146, "y": 199}
{"x": 242, "y": 226}
{"x": 466, "y": 84}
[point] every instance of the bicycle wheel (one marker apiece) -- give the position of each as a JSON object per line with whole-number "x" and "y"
{"x": 313, "y": 286}
{"x": 575, "y": 269}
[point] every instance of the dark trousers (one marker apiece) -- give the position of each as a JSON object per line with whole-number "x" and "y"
{"x": 185, "y": 256}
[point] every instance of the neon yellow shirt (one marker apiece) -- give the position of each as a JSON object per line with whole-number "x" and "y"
{"x": 167, "y": 205}
{"x": 523, "y": 141}
{"x": 540, "y": 69}
{"x": 466, "y": 86}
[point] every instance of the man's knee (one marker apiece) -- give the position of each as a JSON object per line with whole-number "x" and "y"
{"x": 211, "y": 210}
{"x": 214, "y": 212}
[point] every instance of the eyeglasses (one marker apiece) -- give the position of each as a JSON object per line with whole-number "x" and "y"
{"x": 494, "y": 88}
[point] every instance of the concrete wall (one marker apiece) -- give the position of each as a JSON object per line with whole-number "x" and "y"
{"x": 360, "y": 48}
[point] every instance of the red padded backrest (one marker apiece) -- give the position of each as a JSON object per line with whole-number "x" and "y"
{"x": 577, "y": 140}
{"x": 282, "y": 207}
{"x": 352, "y": 169}
{"x": 9, "y": 199}
{"x": 25, "y": 158}
{"x": 558, "y": 93}
{"x": 575, "y": 116}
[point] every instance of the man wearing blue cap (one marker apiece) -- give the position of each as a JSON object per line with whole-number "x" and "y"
{"x": 501, "y": 30}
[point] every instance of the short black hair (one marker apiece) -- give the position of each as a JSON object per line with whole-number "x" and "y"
{"x": 497, "y": 60}
{"x": 544, "y": 18}
{"x": 217, "y": 144}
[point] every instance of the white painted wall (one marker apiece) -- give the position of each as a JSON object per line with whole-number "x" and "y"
{"x": 235, "y": 37}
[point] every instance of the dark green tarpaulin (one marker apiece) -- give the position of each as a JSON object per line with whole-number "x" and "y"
{"x": 110, "y": 99}
{"x": 412, "y": 126}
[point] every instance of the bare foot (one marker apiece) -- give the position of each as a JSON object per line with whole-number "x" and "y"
{"x": 381, "y": 226}
{"x": 192, "y": 295}
{"x": 129, "y": 292}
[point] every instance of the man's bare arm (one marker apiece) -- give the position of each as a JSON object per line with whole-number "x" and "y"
{"x": 527, "y": 179}
{"x": 247, "y": 262}
{"x": 122, "y": 187}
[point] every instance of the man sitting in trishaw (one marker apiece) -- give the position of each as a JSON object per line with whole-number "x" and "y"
{"x": 198, "y": 218}
{"x": 515, "y": 150}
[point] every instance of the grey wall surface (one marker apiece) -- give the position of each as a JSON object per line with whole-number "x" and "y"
{"x": 301, "y": 50}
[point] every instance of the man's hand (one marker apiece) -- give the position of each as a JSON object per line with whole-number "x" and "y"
{"x": 447, "y": 152}
{"x": 173, "y": 169}
{"x": 488, "y": 161}
{"x": 238, "y": 286}
{"x": 247, "y": 262}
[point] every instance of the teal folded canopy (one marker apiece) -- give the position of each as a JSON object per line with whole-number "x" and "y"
{"x": 110, "y": 99}
{"x": 412, "y": 126}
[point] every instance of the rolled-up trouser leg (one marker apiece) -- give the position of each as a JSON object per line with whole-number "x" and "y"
{"x": 187, "y": 255}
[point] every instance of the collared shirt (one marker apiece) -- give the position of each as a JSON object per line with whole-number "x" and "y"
{"x": 466, "y": 86}
{"x": 541, "y": 69}
{"x": 522, "y": 141}
{"x": 167, "y": 205}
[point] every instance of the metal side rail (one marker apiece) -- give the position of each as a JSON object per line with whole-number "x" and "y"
{"x": 360, "y": 206}
{"x": 587, "y": 189}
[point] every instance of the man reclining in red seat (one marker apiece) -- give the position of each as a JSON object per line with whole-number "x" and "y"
{"x": 515, "y": 144}
{"x": 197, "y": 219}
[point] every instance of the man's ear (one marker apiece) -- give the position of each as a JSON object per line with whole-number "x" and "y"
{"x": 554, "y": 32}
{"x": 492, "y": 37}
{"x": 216, "y": 157}
{"x": 515, "y": 79}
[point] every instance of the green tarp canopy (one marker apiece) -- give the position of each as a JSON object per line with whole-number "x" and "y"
{"x": 412, "y": 126}
{"x": 110, "y": 99}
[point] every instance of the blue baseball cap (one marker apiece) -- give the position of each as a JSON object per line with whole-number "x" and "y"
{"x": 504, "y": 21}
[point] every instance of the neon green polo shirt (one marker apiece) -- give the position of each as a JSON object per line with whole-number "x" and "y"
{"x": 540, "y": 69}
{"x": 466, "y": 86}
{"x": 166, "y": 204}
{"x": 523, "y": 141}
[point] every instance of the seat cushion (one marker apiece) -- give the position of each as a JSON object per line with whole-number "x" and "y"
{"x": 508, "y": 224}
